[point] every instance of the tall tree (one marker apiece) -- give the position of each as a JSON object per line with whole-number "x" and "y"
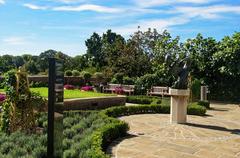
{"x": 94, "y": 50}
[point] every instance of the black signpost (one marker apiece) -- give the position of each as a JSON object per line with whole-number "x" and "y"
{"x": 55, "y": 108}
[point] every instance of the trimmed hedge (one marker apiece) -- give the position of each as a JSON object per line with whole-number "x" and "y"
{"x": 206, "y": 104}
{"x": 193, "y": 109}
{"x": 141, "y": 99}
{"x": 196, "y": 109}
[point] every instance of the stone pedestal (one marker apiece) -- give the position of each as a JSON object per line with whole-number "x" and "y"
{"x": 179, "y": 101}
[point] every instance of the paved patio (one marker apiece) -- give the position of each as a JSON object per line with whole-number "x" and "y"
{"x": 152, "y": 136}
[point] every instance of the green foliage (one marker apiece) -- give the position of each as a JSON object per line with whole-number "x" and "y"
{"x": 68, "y": 73}
{"x": 119, "y": 78}
{"x": 5, "y": 116}
{"x": 145, "y": 82}
{"x": 195, "y": 89}
{"x": 142, "y": 99}
{"x": 75, "y": 73}
{"x": 128, "y": 81}
{"x": 38, "y": 84}
{"x": 21, "y": 145}
{"x": 196, "y": 109}
{"x": 99, "y": 76}
{"x": 206, "y": 104}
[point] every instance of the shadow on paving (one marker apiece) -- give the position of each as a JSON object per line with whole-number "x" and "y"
{"x": 118, "y": 141}
{"x": 218, "y": 128}
{"x": 219, "y": 109}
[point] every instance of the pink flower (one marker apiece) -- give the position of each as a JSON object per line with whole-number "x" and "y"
{"x": 119, "y": 90}
{"x": 87, "y": 88}
{"x": 69, "y": 87}
{"x": 2, "y": 97}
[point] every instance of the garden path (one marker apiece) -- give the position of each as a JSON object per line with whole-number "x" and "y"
{"x": 216, "y": 135}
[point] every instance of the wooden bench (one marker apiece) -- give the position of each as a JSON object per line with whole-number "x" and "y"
{"x": 157, "y": 90}
{"x": 111, "y": 87}
{"x": 128, "y": 89}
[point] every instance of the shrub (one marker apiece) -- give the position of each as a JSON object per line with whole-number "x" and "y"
{"x": 118, "y": 78}
{"x": 195, "y": 88}
{"x": 68, "y": 73}
{"x": 75, "y": 73}
{"x": 69, "y": 87}
{"x": 145, "y": 82}
{"x": 129, "y": 81}
{"x": 195, "y": 109}
{"x": 206, "y": 104}
{"x": 86, "y": 75}
{"x": 99, "y": 76}
{"x": 141, "y": 99}
{"x": 114, "y": 80}
{"x": 38, "y": 84}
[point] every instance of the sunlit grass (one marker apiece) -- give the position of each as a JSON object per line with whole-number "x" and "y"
{"x": 69, "y": 94}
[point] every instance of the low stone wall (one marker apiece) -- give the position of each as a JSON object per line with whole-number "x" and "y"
{"x": 94, "y": 103}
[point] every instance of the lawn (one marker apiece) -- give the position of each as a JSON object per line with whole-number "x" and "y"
{"x": 69, "y": 94}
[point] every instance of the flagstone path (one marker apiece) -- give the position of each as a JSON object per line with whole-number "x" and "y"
{"x": 152, "y": 136}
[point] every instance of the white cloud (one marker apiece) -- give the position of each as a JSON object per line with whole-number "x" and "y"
{"x": 35, "y": 7}
{"x": 160, "y": 24}
{"x": 2, "y": 2}
{"x": 208, "y": 12}
{"x": 71, "y": 1}
{"x": 88, "y": 7}
{"x": 153, "y": 3}
{"x": 15, "y": 41}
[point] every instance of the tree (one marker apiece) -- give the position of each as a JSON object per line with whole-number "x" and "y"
{"x": 43, "y": 59}
{"x": 94, "y": 50}
{"x": 6, "y": 63}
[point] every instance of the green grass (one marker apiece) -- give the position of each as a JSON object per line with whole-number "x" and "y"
{"x": 69, "y": 94}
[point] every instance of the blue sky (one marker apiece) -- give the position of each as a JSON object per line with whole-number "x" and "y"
{"x": 32, "y": 26}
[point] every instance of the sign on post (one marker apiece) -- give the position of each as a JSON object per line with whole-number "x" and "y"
{"x": 55, "y": 108}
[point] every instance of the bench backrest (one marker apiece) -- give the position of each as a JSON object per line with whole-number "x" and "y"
{"x": 113, "y": 86}
{"x": 159, "y": 89}
{"x": 128, "y": 87}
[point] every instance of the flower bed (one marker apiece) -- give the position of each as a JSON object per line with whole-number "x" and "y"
{"x": 69, "y": 87}
{"x": 87, "y": 88}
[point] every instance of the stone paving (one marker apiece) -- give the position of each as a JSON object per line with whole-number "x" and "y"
{"x": 152, "y": 136}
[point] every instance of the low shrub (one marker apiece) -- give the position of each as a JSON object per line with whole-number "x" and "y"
{"x": 75, "y": 73}
{"x": 19, "y": 144}
{"x": 206, "y": 104}
{"x": 196, "y": 109}
{"x": 141, "y": 99}
{"x": 38, "y": 84}
{"x": 69, "y": 87}
{"x": 130, "y": 110}
{"x": 193, "y": 109}
{"x": 68, "y": 73}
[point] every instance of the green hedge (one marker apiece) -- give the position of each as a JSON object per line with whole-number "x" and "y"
{"x": 141, "y": 99}
{"x": 196, "y": 109}
{"x": 206, "y": 104}
{"x": 193, "y": 109}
